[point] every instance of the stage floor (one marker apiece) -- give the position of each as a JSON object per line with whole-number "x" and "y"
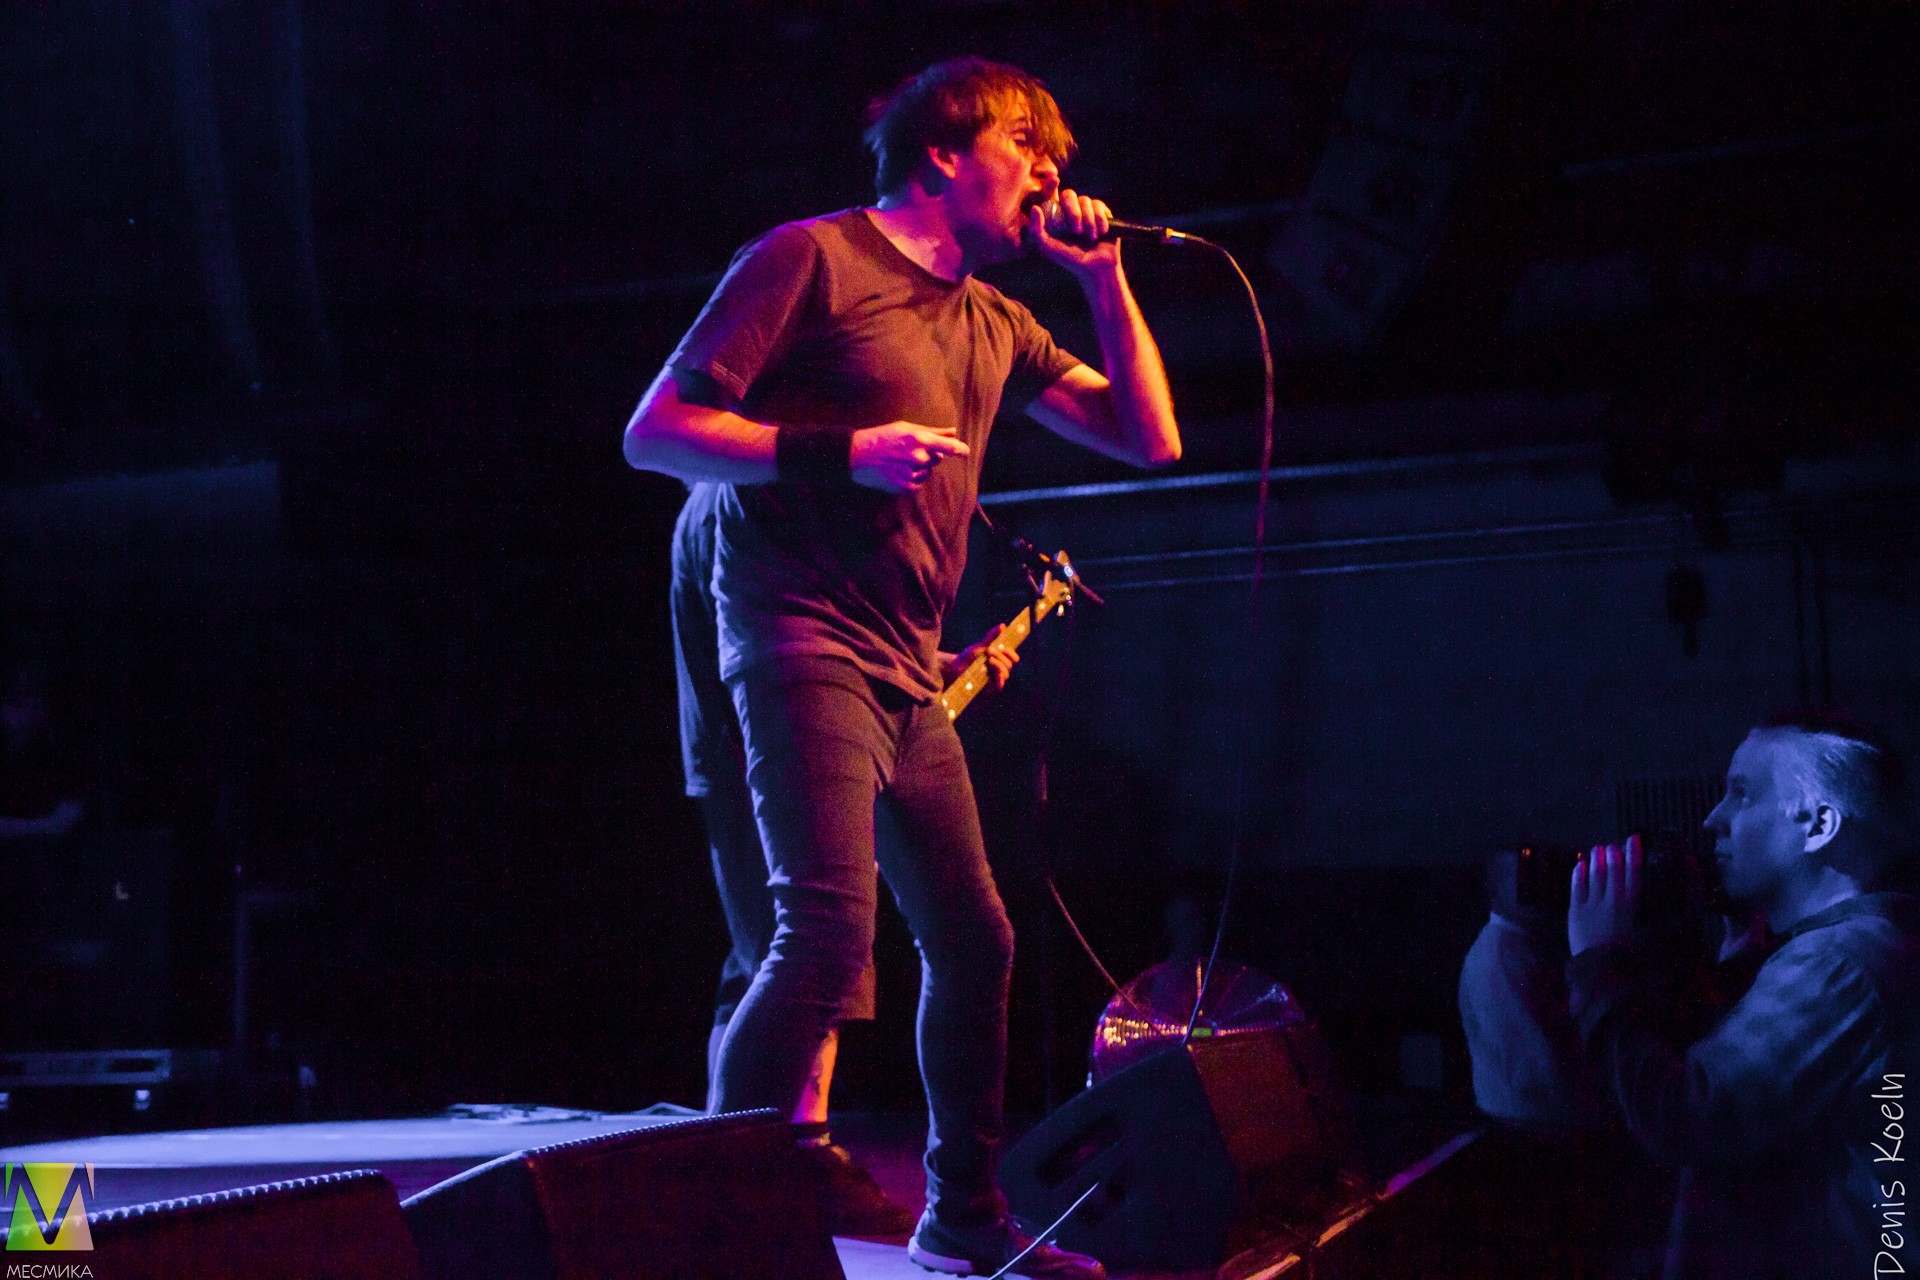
{"x": 417, "y": 1153}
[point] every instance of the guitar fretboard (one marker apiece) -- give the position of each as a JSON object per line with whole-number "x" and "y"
{"x": 970, "y": 682}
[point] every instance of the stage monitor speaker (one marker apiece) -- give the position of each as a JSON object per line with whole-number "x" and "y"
{"x": 1198, "y": 1151}
{"x": 713, "y": 1196}
{"x": 344, "y": 1226}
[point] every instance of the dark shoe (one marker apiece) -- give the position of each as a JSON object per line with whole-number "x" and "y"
{"x": 855, "y": 1204}
{"x": 981, "y": 1251}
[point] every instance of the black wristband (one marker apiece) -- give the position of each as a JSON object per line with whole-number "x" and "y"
{"x": 813, "y": 455}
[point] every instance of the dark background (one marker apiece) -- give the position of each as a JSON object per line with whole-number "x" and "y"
{"x": 318, "y": 326}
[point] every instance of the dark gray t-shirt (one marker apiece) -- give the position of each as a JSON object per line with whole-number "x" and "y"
{"x": 826, "y": 323}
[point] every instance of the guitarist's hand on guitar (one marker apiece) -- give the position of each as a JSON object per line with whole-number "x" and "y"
{"x": 1000, "y": 659}
{"x": 986, "y": 663}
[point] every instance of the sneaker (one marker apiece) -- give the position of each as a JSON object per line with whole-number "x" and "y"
{"x": 982, "y": 1251}
{"x": 855, "y": 1204}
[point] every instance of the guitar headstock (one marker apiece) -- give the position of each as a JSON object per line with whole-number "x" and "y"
{"x": 1056, "y": 590}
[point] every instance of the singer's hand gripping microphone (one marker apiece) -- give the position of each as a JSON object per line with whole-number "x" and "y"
{"x": 1119, "y": 229}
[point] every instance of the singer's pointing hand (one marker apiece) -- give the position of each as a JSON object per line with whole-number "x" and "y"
{"x": 899, "y": 457}
{"x": 1069, "y": 229}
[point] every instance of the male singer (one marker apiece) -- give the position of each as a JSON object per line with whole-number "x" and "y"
{"x": 842, "y": 382}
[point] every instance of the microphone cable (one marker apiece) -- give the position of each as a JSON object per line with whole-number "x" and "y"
{"x": 1236, "y": 844}
{"x": 1042, "y": 1237}
{"x": 1058, "y": 701}
{"x": 1251, "y": 650}
{"x": 1251, "y": 646}
{"x": 1022, "y": 552}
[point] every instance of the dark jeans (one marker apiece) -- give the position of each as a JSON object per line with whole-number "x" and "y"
{"x": 830, "y": 754}
{"x": 740, "y": 874}
{"x": 716, "y": 769}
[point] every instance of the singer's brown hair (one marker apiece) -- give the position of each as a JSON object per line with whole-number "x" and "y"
{"x": 947, "y": 105}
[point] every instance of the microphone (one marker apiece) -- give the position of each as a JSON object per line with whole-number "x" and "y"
{"x": 1119, "y": 229}
{"x": 1030, "y": 557}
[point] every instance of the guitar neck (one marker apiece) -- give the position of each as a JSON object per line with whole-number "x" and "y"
{"x": 970, "y": 682}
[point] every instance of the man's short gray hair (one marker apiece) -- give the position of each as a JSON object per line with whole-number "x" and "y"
{"x": 1840, "y": 763}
